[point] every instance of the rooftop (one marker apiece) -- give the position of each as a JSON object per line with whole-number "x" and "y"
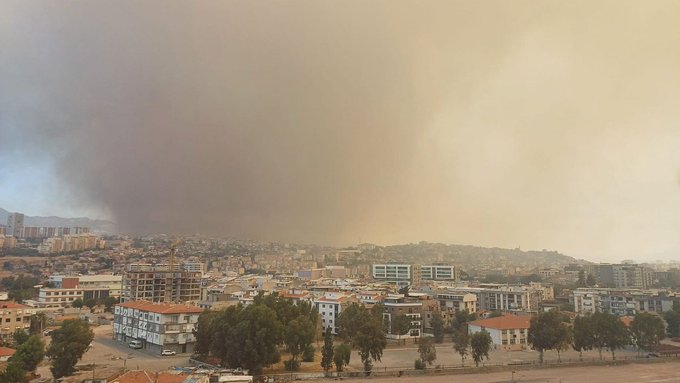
{"x": 162, "y": 308}
{"x": 504, "y": 322}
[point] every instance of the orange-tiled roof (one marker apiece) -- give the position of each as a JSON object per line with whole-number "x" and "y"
{"x": 627, "y": 320}
{"x": 13, "y": 305}
{"x": 6, "y": 351}
{"x": 505, "y": 322}
{"x": 162, "y": 308}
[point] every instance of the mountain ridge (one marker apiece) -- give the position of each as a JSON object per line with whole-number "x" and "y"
{"x": 95, "y": 225}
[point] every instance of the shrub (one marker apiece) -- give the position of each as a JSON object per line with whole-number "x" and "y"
{"x": 308, "y": 354}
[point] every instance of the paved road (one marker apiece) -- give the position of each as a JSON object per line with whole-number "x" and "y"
{"x": 109, "y": 354}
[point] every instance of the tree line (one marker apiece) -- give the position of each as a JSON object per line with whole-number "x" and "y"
{"x": 599, "y": 331}
{"x": 68, "y": 345}
{"x": 252, "y": 337}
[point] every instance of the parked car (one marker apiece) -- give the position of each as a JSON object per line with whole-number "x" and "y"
{"x": 652, "y": 355}
{"x": 168, "y": 352}
{"x": 135, "y": 344}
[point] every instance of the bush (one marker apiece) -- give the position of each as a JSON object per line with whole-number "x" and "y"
{"x": 291, "y": 365}
{"x": 419, "y": 364}
{"x": 308, "y": 354}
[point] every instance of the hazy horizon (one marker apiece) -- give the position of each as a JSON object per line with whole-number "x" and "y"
{"x": 545, "y": 125}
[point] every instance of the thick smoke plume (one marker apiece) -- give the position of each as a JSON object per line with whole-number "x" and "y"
{"x": 540, "y": 124}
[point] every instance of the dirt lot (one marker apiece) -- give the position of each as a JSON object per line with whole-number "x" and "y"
{"x": 667, "y": 371}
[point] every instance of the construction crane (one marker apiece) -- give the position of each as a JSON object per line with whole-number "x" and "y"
{"x": 170, "y": 276}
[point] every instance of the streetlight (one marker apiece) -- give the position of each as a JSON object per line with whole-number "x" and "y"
{"x": 513, "y": 376}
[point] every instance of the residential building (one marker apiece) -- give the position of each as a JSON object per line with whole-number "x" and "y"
{"x": 452, "y": 301}
{"x": 439, "y": 273}
{"x": 398, "y": 304}
{"x": 621, "y": 275}
{"x": 67, "y": 289}
{"x": 406, "y": 274}
{"x": 159, "y": 326}
{"x": 14, "y": 316}
{"x": 15, "y": 224}
{"x": 156, "y": 283}
{"x": 329, "y": 307}
{"x": 508, "y": 332}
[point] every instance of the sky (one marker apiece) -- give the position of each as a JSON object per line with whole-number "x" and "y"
{"x": 532, "y": 124}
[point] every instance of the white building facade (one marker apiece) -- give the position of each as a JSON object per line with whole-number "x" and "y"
{"x": 159, "y": 326}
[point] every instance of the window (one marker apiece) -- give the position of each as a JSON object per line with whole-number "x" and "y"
{"x": 505, "y": 341}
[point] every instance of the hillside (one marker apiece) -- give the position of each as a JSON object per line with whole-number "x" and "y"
{"x": 96, "y": 225}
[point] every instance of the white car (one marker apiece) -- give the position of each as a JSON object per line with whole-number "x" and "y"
{"x": 168, "y": 353}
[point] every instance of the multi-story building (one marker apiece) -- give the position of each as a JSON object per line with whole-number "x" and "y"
{"x": 66, "y": 289}
{"x": 13, "y": 317}
{"x": 439, "y": 273}
{"x": 406, "y": 274}
{"x": 495, "y": 297}
{"x": 15, "y": 224}
{"x": 329, "y": 307}
{"x": 156, "y": 283}
{"x": 159, "y": 326}
{"x": 398, "y": 304}
{"x": 621, "y": 275}
{"x": 622, "y": 302}
{"x": 452, "y": 302}
{"x": 400, "y": 274}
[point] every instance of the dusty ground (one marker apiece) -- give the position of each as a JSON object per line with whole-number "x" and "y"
{"x": 631, "y": 373}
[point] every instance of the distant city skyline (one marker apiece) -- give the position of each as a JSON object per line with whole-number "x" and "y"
{"x": 535, "y": 124}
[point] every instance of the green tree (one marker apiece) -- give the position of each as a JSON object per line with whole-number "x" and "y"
{"x": 609, "y": 332}
{"x": 546, "y": 332}
{"x": 20, "y": 336}
{"x": 248, "y": 337}
{"x": 69, "y": 343}
{"x": 565, "y": 338}
{"x": 351, "y": 319}
{"x": 298, "y": 336}
{"x": 327, "y": 351}
{"x": 461, "y": 343}
{"x": 341, "y": 356}
{"x": 38, "y": 323}
{"x": 109, "y": 302}
{"x": 14, "y": 373}
{"x": 401, "y": 325}
{"x": 590, "y": 280}
{"x": 370, "y": 341}
{"x": 672, "y": 319}
{"x": 427, "y": 351}
{"x": 647, "y": 330}
{"x": 77, "y": 303}
{"x": 203, "y": 331}
{"x": 437, "y": 324}
{"x": 480, "y": 343}
{"x": 90, "y": 303}
{"x": 583, "y": 335}
{"x": 31, "y": 352}
{"x": 581, "y": 279}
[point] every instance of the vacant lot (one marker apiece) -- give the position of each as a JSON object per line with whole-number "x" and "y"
{"x": 667, "y": 371}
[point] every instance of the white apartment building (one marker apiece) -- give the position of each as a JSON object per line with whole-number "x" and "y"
{"x": 159, "y": 326}
{"x": 84, "y": 287}
{"x": 587, "y": 301}
{"x": 393, "y": 272}
{"x": 329, "y": 307}
{"x": 438, "y": 273}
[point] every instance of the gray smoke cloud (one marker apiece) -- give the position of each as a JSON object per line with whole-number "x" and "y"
{"x": 540, "y": 124}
